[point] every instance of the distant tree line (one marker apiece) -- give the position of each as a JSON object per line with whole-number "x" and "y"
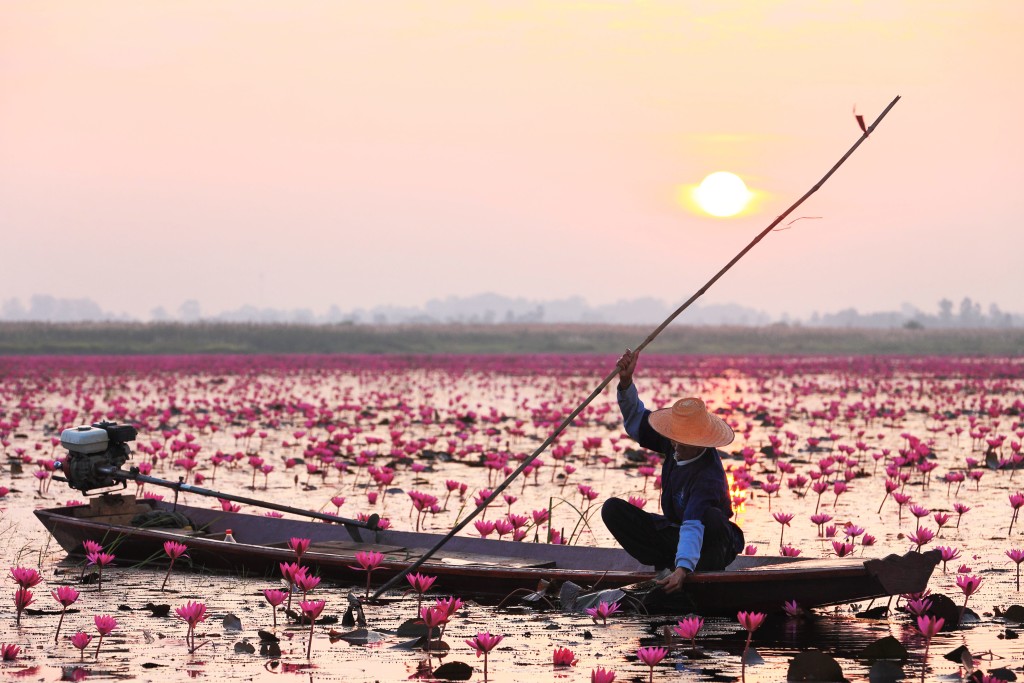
{"x": 494, "y": 309}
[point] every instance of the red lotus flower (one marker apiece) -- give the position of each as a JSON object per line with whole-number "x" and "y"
{"x": 25, "y": 577}
{"x": 174, "y": 550}
{"x": 603, "y": 611}
{"x": 368, "y": 561}
{"x": 66, "y": 596}
{"x": 81, "y": 640}
{"x": 9, "y": 652}
{"x": 299, "y": 546}
{"x": 750, "y": 621}
{"x": 311, "y": 609}
{"x": 651, "y": 656}
{"x": 600, "y": 675}
{"x": 104, "y": 624}
{"x": 483, "y": 643}
{"x": 22, "y": 599}
{"x": 688, "y": 628}
{"x": 563, "y": 656}
{"x": 191, "y": 613}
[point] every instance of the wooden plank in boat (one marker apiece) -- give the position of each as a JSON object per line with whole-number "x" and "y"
{"x": 479, "y": 560}
{"x": 348, "y": 547}
{"x": 447, "y": 557}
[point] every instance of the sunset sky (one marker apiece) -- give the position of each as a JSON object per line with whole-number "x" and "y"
{"x": 304, "y": 154}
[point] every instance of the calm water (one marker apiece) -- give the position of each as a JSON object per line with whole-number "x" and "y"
{"x": 419, "y": 408}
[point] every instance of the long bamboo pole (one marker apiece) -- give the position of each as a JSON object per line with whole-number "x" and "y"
{"x": 640, "y": 347}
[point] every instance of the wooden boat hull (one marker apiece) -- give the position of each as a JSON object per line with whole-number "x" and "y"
{"x": 486, "y": 570}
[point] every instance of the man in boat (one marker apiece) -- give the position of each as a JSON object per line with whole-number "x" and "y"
{"x": 695, "y": 532}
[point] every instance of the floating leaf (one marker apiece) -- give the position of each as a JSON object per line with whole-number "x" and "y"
{"x": 232, "y": 623}
{"x": 270, "y": 649}
{"x": 267, "y": 637}
{"x": 1014, "y": 613}
{"x": 567, "y": 595}
{"x": 158, "y": 610}
{"x": 814, "y": 666}
{"x": 360, "y": 636}
{"x": 884, "y": 648}
{"x": 880, "y": 612}
{"x": 957, "y": 655}
{"x": 245, "y": 647}
{"x": 590, "y": 600}
{"x": 886, "y": 671}
{"x": 1003, "y": 674}
{"x": 454, "y": 671}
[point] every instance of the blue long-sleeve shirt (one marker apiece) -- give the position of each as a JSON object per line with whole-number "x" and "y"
{"x": 688, "y": 489}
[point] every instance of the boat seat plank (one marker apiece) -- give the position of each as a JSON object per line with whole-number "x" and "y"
{"x": 476, "y": 559}
{"x": 400, "y": 553}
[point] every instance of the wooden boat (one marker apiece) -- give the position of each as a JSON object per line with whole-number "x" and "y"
{"x": 485, "y": 570}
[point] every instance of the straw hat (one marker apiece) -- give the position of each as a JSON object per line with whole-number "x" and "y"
{"x": 689, "y": 422}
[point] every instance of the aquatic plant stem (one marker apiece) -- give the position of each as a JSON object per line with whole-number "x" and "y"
{"x": 568, "y": 420}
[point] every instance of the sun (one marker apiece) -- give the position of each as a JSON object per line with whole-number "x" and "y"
{"x": 722, "y": 194}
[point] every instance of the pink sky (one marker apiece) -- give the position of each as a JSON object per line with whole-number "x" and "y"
{"x": 364, "y": 153}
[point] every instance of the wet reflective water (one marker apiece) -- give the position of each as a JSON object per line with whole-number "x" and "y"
{"x": 437, "y": 419}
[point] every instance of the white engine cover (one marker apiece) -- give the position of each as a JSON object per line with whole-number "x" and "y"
{"x": 84, "y": 439}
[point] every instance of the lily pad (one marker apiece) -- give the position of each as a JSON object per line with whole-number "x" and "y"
{"x": 232, "y": 623}
{"x": 880, "y": 612}
{"x": 270, "y": 649}
{"x": 360, "y": 636}
{"x": 884, "y": 648}
{"x": 1014, "y": 613}
{"x": 244, "y": 647}
{"x": 1003, "y": 674}
{"x": 158, "y": 610}
{"x": 415, "y": 628}
{"x": 454, "y": 671}
{"x": 814, "y": 666}
{"x": 886, "y": 671}
{"x": 590, "y": 600}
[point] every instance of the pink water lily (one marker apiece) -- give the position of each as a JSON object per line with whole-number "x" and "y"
{"x": 25, "y": 577}
{"x": 687, "y": 629}
{"x": 651, "y": 656}
{"x": 101, "y": 560}
{"x": 420, "y": 583}
{"x": 311, "y": 609}
{"x": 368, "y": 561}
{"x": 563, "y": 657}
{"x": 81, "y": 641}
{"x": 66, "y": 596}
{"x": 299, "y": 546}
{"x": 600, "y": 675}
{"x": 750, "y": 621}
{"x": 1017, "y": 555}
{"x": 928, "y": 626}
{"x": 173, "y": 550}
{"x": 603, "y": 611}
{"x": 275, "y": 598}
{"x": 9, "y": 652}
{"x": 969, "y": 584}
{"x": 104, "y": 624}
{"x": 192, "y": 613}
{"x": 483, "y": 643}
{"x": 432, "y": 618}
{"x": 22, "y": 599}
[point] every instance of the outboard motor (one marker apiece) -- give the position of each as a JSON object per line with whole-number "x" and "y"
{"x": 94, "y": 452}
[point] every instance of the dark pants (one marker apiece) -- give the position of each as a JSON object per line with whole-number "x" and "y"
{"x": 647, "y": 537}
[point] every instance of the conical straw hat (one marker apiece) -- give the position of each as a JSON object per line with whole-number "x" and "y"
{"x": 689, "y": 422}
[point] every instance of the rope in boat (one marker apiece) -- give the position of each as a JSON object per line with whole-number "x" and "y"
{"x": 607, "y": 380}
